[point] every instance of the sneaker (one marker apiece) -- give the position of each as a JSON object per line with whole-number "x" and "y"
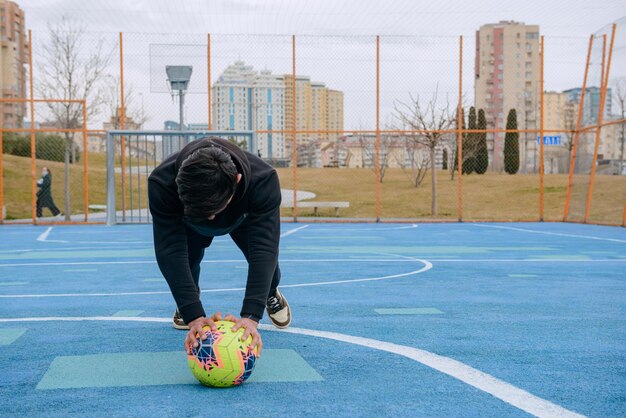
{"x": 278, "y": 310}
{"x": 177, "y": 321}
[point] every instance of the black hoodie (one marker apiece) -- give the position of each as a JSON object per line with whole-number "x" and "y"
{"x": 256, "y": 204}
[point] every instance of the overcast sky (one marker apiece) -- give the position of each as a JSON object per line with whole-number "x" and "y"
{"x": 408, "y": 65}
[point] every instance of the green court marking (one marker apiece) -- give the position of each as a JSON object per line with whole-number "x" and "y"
{"x": 563, "y": 257}
{"x": 523, "y": 275}
{"x": 408, "y": 311}
{"x": 35, "y": 255}
{"x": 128, "y": 313}
{"x": 7, "y": 336}
{"x": 418, "y": 251}
{"x": 597, "y": 252}
{"x": 13, "y": 283}
{"x": 138, "y": 369}
{"x": 153, "y": 280}
{"x": 344, "y": 237}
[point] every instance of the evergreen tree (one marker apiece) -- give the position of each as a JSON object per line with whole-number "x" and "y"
{"x": 511, "y": 144}
{"x": 482, "y": 157}
{"x": 469, "y": 145}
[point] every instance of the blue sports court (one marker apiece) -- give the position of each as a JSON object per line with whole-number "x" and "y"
{"x": 389, "y": 320}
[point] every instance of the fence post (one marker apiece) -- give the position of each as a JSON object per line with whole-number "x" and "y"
{"x": 294, "y": 128}
{"x": 208, "y": 66}
{"x": 2, "y": 213}
{"x": 541, "y": 133}
{"x": 377, "y": 162}
{"x": 111, "y": 209}
{"x": 604, "y": 85}
{"x": 85, "y": 164}
{"x": 576, "y": 137}
{"x": 33, "y": 149}
{"x": 459, "y": 134}
{"x": 122, "y": 126}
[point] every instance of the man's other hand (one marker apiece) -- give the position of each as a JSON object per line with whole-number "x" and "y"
{"x": 249, "y": 329}
{"x": 195, "y": 330}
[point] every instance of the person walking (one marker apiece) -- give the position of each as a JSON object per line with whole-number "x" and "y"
{"x": 44, "y": 194}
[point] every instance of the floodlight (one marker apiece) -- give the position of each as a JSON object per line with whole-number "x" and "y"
{"x": 178, "y": 76}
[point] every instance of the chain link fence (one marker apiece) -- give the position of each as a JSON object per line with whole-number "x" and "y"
{"x": 503, "y": 126}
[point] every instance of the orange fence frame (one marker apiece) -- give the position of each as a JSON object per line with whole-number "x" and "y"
{"x": 377, "y": 161}
{"x": 294, "y": 128}
{"x": 605, "y": 82}
{"x": 208, "y": 66}
{"x": 577, "y": 132}
{"x": 123, "y": 126}
{"x": 32, "y": 132}
{"x": 541, "y": 134}
{"x": 1, "y": 167}
{"x": 294, "y": 131}
{"x": 459, "y": 135}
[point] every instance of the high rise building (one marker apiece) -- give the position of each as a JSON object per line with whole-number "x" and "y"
{"x": 334, "y": 111}
{"x": 13, "y": 59}
{"x": 269, "y": 114}
{"x": 246, "y": 100}
{"x": 507, "y": 71}
{"x": 232, "y": 98}
{"x": 591, "y": 104}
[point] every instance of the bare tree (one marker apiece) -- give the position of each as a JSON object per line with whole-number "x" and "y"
{"x": 431, "y": 118}
{"x": 71, "y": 70}
{"x": 417, "y": 162}
{"x": 132, "y": 111}
{"x": 619, "y": 93}
{"x": 568, "y": 119}
{"x": 368, "y": 148}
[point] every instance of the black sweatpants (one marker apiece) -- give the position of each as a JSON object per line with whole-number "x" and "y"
{"x": 197, "y": 243}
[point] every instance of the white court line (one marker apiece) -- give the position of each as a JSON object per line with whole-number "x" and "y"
{"x": 44, "y": 235}
{"x": 292, "y": 231}
{"x": 89, "y": 263}
{"x": 559, "y": 234}
{"x": 500, "y": 389}
{"x": 427, "y": 266}
{"x": 331, "y": 260}
{"x": 44, "y": 238}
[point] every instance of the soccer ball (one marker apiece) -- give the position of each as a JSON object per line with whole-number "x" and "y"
{"x": 222, "y": 360}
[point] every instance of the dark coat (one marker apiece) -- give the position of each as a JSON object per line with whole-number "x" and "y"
{"x": 255, "y": 206}
{"x": 44, "y": 194}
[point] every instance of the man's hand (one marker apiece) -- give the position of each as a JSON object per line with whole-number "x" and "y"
{"x": 249, "y": 328}
{"x": 195, "y": 330}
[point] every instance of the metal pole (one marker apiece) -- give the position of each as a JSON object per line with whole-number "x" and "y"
{"x": 85, "y": 164}
{"x": 541, "y": 134}
{"x": 123, "y": 126}
{"x": 33, "y": 151}
{"x": 294, "y": 128}
{"x": 377, "y": 161}
{"x": 603, "y": 90}
{"x": 208, "y": 65}
{"x": 181, "y": 102}
{"x": 111, "y": 218}
{"x": 575, "y": 139}
{"x": 459, "y": 134}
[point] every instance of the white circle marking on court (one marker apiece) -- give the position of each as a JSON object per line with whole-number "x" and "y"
{"x": 500, "y": 389}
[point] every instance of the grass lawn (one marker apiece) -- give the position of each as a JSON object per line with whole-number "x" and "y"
{"x": 492, "y": 196}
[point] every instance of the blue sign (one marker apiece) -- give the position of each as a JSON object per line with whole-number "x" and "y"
{"x": 551, "y": 140}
